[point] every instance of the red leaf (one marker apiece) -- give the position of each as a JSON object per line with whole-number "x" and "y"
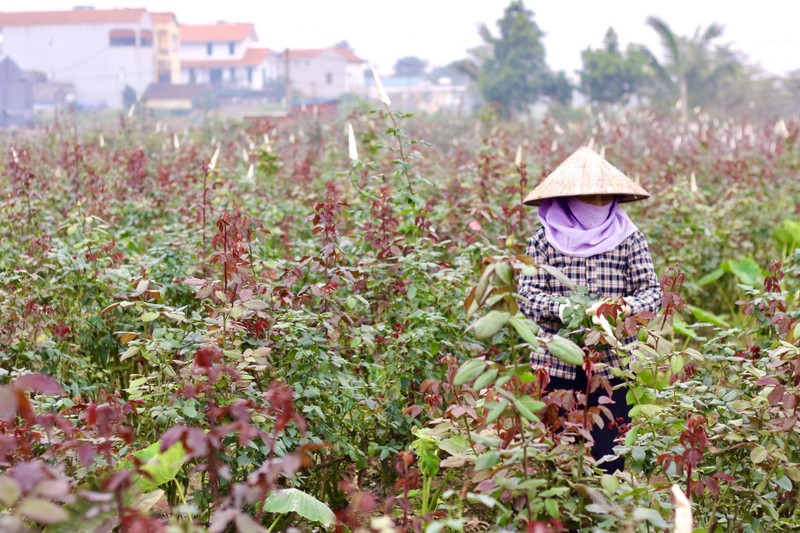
{"x": 39, "y": 383}
{"x": 766, "y": 381}
{"x": 86, "y": 454}
{"x": 475, "y": 225}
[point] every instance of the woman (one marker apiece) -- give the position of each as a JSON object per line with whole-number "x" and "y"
{"x": 586, "y": 235}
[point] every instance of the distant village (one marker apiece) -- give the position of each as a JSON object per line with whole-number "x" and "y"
{"x": 113, "y": 59}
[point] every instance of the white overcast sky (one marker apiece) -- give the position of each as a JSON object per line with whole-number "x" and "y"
{"x": 441, "y": 31}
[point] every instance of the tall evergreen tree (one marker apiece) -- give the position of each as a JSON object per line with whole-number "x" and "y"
{"x": 610, "y": 76}
{"x": 513, "y": 72}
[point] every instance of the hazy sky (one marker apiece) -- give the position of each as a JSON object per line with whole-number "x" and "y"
{"x": 440, "y": 31}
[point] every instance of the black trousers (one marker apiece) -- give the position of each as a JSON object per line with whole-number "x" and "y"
{"x": 603, "y": 437}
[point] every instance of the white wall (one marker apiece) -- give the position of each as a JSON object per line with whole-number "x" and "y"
{"x": 219, "y": 50}
{"x": 81, "y": 55}
{"x": 309, "y": 76}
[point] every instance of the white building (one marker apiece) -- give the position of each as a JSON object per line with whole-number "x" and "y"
{"x": 224, "y": 55}
{"x": 326, "y": 73}
{"x": 99, "y": 51}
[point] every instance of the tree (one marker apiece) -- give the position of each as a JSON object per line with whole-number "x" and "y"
{"x": 693, "y": 71}
{"x": 610, "y": 76}
{"x": 512, "y": 71}
{"x": 558, "y": 88}
{"x": 410, "y": 66}
{"x": 344, "y": 45}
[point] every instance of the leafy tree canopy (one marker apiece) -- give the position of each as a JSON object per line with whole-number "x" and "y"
{"x": 513, "y": 72}
{"x": 610, "y": 76}
{"x": 410, "y": 66}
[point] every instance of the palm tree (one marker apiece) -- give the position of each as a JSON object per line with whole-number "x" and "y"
{"x": 692, "y": 70}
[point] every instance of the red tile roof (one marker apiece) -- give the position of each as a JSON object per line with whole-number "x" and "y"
{"x": 204, "y": 33}
{"x": 76, "y": 16}
{"x": 308, "y": 53}
{"x": 253, "y": 57}
{"x": 349, "y": 55}
{"x": 163, "y": 18}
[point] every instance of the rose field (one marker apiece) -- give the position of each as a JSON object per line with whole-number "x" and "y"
{"x": 266, "y": 325}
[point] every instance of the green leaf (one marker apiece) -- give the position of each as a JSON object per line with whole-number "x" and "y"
{"x": 556, "y": 273}
{"x": 9, "y": 491}
{"x": 496, "y": 410}
{"x": 758, "y": 454}
{"x": 565, "y": 350}
{"x": 490, "y": 323}
{"x": 505, "y": 272}
{"x": 43, "y": 511}
{"x": 485, "y": 378}
{"x": 487, "y": 460}
{"x": 150, "y": 316}
{"x": 641, "y": 514}
{"x": 469, "y": 371}
{"x": 610, "y": 483}
{"x": 526, "y": 328}
{"x": 293, "y": 500}
{"x": 524, "y": 411}
{"x": 784, "y": 482}
{"x": 711, "y": 277}
{"x": 163, "y": 467}
{"x": 647, "y": 410}
{"x": 746, "y": 271}
{"x": 787, "y": 234}
{"x": 552, "y": 507}
{"x": 707, "y": 316}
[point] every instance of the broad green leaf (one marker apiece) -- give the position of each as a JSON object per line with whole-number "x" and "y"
{"x": 490, "y": 323}
{"x": 556, "y": 273}
{"x": 787, "y": 234}
{"x": 504, "y": 272}
{"x": 610, "y": 483}
{"x": 551, "y": 506}
{"x": 43, "y": 511}
{"x": 163, "y": 467}
{"x": 9, "y": 491}
{"x": 746, "y": 271}
{"x": 487, "y": 460}
{"x": 758, "y": 454}
{"x": 150, "y": 316}
{"x": 485, "y": 378}
{"x": 469, "y": 371}
{"x": 650, "y": 515}
{"x": 526, "y": 328}
{"x": 496, "y": 410}
{"x": 296, "y": 501}
{"x": 711, "y": 277}
{"x": 707, "y": 316}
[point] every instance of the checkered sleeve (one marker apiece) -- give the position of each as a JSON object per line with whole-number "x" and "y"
{"x": 536, "y": 302}
{"x": 644, "y": 289}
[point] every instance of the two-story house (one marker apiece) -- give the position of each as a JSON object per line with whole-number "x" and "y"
{"x": 103, "y": 53}
{"x": 224, "y": 55}
{"x": 167, "y": 48}
{"x": 325, "y": 72}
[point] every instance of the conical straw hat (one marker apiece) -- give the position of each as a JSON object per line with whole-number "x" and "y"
{"x": 584, "y": 173}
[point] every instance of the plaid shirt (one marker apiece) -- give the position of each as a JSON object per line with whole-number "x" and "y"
{"x": 625, "y": 271}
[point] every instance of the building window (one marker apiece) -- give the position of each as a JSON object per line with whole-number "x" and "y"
{"x": 146, "y": 38}
{"x": 122, "y": 38}
{"x": 249, "y": 74}
{"x": 231, "y": 48}
{"x": 209, "y": 49}
{"x": 233, "y": 74}
{"x": 329, "y": 78}
{"x": 192, "y": 76}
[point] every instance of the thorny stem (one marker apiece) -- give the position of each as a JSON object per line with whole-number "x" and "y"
{"x": 402, "y": 153}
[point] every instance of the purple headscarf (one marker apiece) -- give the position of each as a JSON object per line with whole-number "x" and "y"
{"x": 578, "y": 229}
